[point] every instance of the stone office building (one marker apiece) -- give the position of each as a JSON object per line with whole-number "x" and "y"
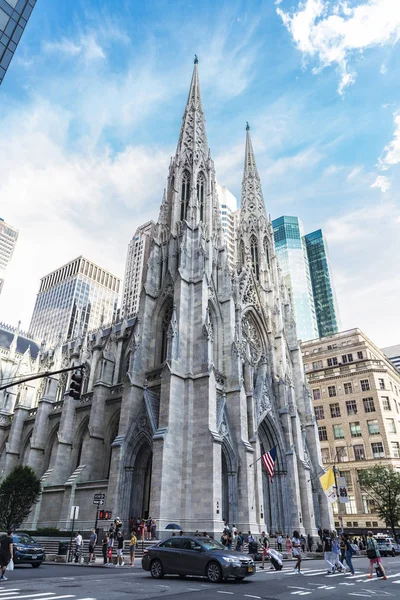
{"x": 181, "y": 401}
{"x": 356, "y": 396}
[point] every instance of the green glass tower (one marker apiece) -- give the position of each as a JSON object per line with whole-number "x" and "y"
{"x": 326, "y": 308}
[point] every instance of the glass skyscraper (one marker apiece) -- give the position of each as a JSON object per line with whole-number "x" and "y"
{"x": 292, "y": 257}
{"x": 72, "y": 300}
{"x": 8, "y": 239}
{"x": 14, "y": 15}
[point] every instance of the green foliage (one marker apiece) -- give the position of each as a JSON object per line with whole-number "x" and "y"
{"x": 19, "y": 491}
{"x": 382, "y": 484}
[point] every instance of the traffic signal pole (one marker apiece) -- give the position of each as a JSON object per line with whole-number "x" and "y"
{"x": 44, "y": 374}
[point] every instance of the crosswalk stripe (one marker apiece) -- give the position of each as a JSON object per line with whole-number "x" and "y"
{"x": 42, "y": 596}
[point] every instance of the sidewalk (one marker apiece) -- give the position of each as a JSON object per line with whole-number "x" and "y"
{"x": 97, "y": 563}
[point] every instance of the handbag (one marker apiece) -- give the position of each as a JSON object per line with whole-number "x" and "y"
{"x": 10, "y": 566}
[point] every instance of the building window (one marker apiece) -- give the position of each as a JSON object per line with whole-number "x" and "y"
{"x": 391, "y": 427}
{"x": 355, "y": 429}
{"x": 316, "y": 394}
{"x": 348, "y": 388}
{"x": 338, "y": 433}
{"x": 331, "y": 391}
{"x": 335, "y": 410}
{"x": 386, "y": 403}
{"x": 381, "y": 384}
{"x": 360, "y": 355}
{"x": 395, "y": 449}
{"x": 375, "y": 524}
{"x": 369, "y": 405}
{"x": 367, "y": 523}
{"x": 347, "y": 358}
{"x": 185, "y": 195}
{"x": 373, "y": 427}
{"x": 359, "y": 453}
{"x": 350, "y": 507}
{"x": 254, "y": 256}
{"x": 200, "y": 195}
{"x": 364, "y": 385}
{"x": 318, "y": 364}
{"x": 332, "y": 361}
{"x": 351, "y": 407}
{"x": 325, "y": 454}
{"x": 377, "y": 450}
{"x": 319, "y": 412}
{"x": 322, "y": 434}
{"x": 266, "y": 250}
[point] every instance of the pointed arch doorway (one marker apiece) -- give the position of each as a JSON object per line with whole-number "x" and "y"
{"x": 141, "y": 482}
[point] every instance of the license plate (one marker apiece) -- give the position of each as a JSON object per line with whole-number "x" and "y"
{"x": 250, "y": 569}
{"x": 27, "y": 555}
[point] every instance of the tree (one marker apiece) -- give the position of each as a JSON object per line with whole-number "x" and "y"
{"x": 382, "y": 484}
{"x": 19, "y": 491}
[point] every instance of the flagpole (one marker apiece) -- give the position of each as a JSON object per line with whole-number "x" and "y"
{"x": 256, "y": 461}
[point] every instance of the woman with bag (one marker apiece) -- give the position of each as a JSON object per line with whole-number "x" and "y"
{"x": 6, "y": 553}
{"x": 374, "y": 555}
{"x": 297, "y": 551}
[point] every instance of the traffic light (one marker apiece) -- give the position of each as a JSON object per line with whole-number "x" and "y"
{"x": 105, "y": 515}
{"x": 75, "y": 387}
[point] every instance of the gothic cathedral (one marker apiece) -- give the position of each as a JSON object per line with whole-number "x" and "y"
{"x": 181, "y": 400}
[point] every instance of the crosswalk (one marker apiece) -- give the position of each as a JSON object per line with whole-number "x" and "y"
{"x": 13, "y": 593}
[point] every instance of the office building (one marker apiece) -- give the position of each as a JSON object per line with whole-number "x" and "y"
{"x": 14, "y": 15}
{"x": 393, "y": 354}
{"x": 292, "y": 258}
{"x": 228, "y": 208}
{"x": 72, "y": 300}
{"x": 136, "y": 268}
{"x": 326, "y": 309}
{"x": 356, "y": 396}
{"x": 8, "y": 239}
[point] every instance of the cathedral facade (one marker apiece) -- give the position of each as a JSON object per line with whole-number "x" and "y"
{"x": 181, "y": 400}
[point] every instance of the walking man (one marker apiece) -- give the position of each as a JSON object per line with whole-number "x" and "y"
{"x": 279, "y": 541}
{"x": 92, "y": 543}
{"x": 78, "y": 546}
{"x": 327, "y": 550}
{"x": 6, "y": 552}
{"x": 120, "y": 549}
{"x": 265, "y": 545}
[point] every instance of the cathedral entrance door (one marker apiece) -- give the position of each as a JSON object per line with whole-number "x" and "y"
{"x": 141, "y": 482}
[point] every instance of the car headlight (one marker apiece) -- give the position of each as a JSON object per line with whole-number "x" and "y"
{"x": 231, "y": 559}
{"x": 19, "y": 548}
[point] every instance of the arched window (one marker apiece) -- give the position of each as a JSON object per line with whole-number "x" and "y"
{"x": 254, "y": 256}
{"x": 164, "y": 334}
{"x": 266, "y": 250}
{"x": 200, "y": 195}
{"x": 185, "y": 195}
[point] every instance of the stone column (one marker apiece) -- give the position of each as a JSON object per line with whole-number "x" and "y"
{"x": 40, "y": 435}
{"x": 62, "y": 463}
{"x": 94, "y": 451}
{"x": 13, "y": 450}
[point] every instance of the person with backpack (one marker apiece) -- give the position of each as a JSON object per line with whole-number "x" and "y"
{"x": 132, "y": 547}
{"x": 374, "y": 555}
{"x": 265, "y": 545}
{"x": 327, "y": 550}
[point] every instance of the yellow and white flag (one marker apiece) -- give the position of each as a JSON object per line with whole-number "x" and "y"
{"x": 328, "y": 485}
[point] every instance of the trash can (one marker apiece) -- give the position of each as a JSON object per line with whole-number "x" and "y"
{"x": 63, "y": 548}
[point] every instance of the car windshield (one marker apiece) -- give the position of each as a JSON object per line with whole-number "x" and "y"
{"x": 23, "y": 538}
{"x": 210, "y": 544}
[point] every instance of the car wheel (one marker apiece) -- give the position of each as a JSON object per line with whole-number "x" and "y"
{"x": 36, "y": 565}
{"x": 214, "y": 572}
{"x": 393, "y": 552}
{"x": 156, "y": 569}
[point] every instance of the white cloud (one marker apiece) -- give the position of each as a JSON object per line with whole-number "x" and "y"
{"x": 391, "y": 153}
{"x": 87, "y": 46}
{"x": 382, "y": 183}
{"x": 362, "y": 224}
{"x": 332, "y": 32}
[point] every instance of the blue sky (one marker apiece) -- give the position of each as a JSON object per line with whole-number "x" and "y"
{"x": 91, "y": 107}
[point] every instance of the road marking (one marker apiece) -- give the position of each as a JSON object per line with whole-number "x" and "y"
{"x": 249, "y": 596}
{"x": 295, "y": 587}
{"x": 379, "y": 578}
{"x": 42, "y": 595}
{"x": 345, "y": 583}
{"x": 231, "y": 593}
{"x": 193, "y": 589}
{"x": 300, "y": 593}
{"x": 362, "y": 595}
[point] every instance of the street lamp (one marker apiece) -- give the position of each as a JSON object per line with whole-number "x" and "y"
{"x": 335, "y": 471}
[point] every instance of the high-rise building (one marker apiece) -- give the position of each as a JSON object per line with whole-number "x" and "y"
{"x": 356, "y": 396}
{"x": 326, "y": 309}
{"x": 8, "y": 239}
{"x": 393, "y": 354}
{"x": 76, "y": 298}
{"x": 136, "y": 267}
{"x": 292, "y": 258}
{"x": 233, "y": 220}
{"x": 14, "y": 15}
{"x": 228, "y": 207}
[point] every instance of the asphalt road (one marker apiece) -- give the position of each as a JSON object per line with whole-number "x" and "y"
{"x": 59, "y": 582}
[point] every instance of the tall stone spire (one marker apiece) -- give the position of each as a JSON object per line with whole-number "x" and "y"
{"x": 252, "y": 197}
{"x": 193, "y": 138}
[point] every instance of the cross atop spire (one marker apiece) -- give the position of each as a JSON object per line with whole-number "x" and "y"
{"x": 252, "y": 198}
{"x": 193, "y": 137}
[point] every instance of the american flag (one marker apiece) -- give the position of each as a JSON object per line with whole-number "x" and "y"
{"x": 269, "y": 459}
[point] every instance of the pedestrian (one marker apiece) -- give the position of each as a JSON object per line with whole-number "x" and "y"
{"x": 78, "y": 546}
{"x": 303, "y": 543}
{"x": 104, "y": 548}
{"x": 374, "y": 555}
{"x": 296, "y": 543}
{"x": 250, "y": 538}
{"x": 279, "y": 541}
{"x": 181, "y": 532}
{"x": 230, "y": 540}
{"x": 120, "y": 549}
{"x": 349, "y": 551}
{"x": 92, "y": 544}
{"x": 153, "y": 529}
{"x": 289, "y": 546}
{"x": 265, "y": 545}
{"x": 239, "y": 542}
{"x": 335, "y": 552}
{"x": 110, "y": 545}
{"x": 6, "y": 553}
{"x": 327, "y": 550}
{"x": 132, "y": 547}
{"x": 309, "y": 542}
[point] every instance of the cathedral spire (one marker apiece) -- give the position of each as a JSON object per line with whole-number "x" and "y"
{"x": 193, "y": 138}
{"x": 252, "y": 197}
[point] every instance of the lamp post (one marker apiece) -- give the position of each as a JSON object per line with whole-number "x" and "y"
{"x": 335, "y": 471}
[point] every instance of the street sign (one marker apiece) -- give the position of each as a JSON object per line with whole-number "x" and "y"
{"x": 99, "y": 496}
{"x": 98, "y": 502}
{"x": 74, "y": 512}
{"x": 342, "y": 490}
